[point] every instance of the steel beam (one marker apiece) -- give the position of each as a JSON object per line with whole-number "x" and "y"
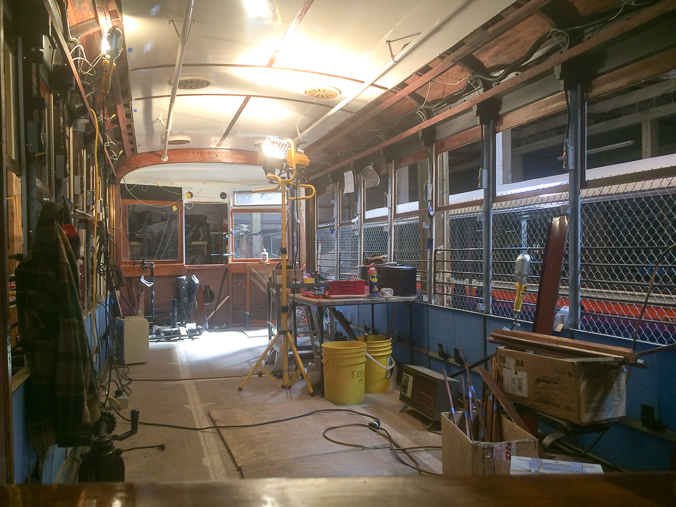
{"x": 488, "y": 148}
{"x": 577, "y": 165}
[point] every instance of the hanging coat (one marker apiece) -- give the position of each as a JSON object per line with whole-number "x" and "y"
{"x": 63, "y": 400}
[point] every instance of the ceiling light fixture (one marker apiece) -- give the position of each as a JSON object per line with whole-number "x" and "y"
{"x": 258, "y": 9}
{"x": 111, "y": 48}
{"x": 193, "y": 82}
{"x": 322, "y": 92}
{"x": 178, "y": 140}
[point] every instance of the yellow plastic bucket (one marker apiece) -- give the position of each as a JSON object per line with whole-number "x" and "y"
{"x": 378, "y": 363}
{"x": 344, "y": 372}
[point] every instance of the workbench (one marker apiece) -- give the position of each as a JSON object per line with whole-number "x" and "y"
{"x": 317, "y": 303}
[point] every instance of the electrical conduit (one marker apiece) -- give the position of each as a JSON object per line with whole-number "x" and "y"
{"x": 177, "y": 73}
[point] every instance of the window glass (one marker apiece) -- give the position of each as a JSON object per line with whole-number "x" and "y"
{"x": 252, "y": 232}
{"x": 206, "y": 233}
{"x": 376, "y": 196}
{"x": 410, "y": 182}
{"x": 463, "y": 168}
{"x": 258, "y": 199}
{"x": 348, "y": 206}
{"x": 153, "y": 231}
{"x": 325, "y": 208}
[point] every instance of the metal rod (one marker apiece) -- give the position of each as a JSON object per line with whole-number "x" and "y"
{"x": 187, "y": 20}
{"x": 577, "y": 165}
{"x": 488, "y": 183}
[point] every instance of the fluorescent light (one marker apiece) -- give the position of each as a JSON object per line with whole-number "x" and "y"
{"x": 258, "y": 9}
{"x": 609, "y": 147}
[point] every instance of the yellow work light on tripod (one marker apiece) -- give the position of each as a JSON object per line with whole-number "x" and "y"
{"x": 279, "y": 160}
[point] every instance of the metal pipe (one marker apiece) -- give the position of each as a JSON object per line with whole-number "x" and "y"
{"x": 177, "y": 73}
{"x": 386, "y": 68}
{"x": 576, "y": 166}
{"x": 488, "y": 183}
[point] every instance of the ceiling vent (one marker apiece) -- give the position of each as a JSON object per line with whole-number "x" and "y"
{"x": 178, "y": 140}
{"x": 193, "y": 82}
{"x": 323, "y": 92}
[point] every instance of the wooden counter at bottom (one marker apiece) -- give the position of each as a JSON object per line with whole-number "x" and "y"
{"x": 541, "y": 490}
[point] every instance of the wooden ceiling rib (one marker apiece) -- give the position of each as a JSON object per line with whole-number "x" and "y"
{"x": 180, "y": 156}
{"x": 287, "y": 36}
{"x": 450, "y": 61}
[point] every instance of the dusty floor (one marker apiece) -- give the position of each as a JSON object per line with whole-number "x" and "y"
{"x": 203, "y": 455}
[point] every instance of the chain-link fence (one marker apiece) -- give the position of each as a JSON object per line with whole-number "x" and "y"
{"x": 326, "y": 252}
{"x": 376, "y": 238}
{"x": 410, "y": 246}
{"x": 459, "y": 268}
{"x": 624, "y": 230}
{"x": 348, "y": 251}
{"x": 521, "y": 226}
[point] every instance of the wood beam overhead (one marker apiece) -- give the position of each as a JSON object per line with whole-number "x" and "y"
{"x": 641, "y": 18}
{"x": 451, "y": 60}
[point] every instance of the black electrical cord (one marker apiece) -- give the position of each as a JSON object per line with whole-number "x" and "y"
{"x": 183, "y": 379}
{"x": 160, "y": 447}
{"x": 394, "y": 447}
{"x": 376, "y": 421}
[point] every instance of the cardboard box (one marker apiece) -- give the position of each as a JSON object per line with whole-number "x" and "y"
{"x": 133, "y": 335}
{"x": 522, "y": 465}
{"x": 579, "y": 390}
{"x": 461, "y": 456}
{"x": 292, "y": 275}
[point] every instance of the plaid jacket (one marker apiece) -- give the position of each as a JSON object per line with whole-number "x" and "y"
{"x": 63, "y": 400}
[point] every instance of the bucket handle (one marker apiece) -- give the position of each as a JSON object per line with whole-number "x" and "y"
{"x": 389, "y": 359}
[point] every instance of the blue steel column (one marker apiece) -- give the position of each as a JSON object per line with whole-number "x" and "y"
{"x": 488, "y": 184}
{"x": 577, "y": 164}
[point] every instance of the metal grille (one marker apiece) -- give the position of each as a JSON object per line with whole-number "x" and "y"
{"x": 459, "y": 268}
{"x": 521, "y": 226}
{"x": 348, "y": 251}
{"x": 624, "y": 230}
{"x": 410, "y": 243}
{"x": 326, "y": 252}
{"x": 376, "y": 238}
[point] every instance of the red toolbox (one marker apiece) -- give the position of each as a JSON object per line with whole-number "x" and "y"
{"x": 345, "y": 288}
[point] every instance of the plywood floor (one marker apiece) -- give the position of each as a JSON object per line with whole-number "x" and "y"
{"x": 292, "y": 449}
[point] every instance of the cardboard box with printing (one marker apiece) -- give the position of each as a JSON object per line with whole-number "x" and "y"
{"x": 462, "y": 456}
{"x": 579, "y": 390}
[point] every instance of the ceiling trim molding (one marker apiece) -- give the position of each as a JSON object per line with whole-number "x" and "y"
{"x": 237, "y": 65}
{"x": 300, "y": 101}
{"x": 208, "y": 156}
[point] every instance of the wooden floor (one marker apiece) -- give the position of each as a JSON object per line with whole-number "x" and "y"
{"x": 292, "y": 449}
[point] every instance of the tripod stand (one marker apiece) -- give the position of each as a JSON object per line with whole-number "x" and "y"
{"x": 284, "y": 333}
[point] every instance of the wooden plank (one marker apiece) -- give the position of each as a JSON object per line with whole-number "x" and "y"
{"x": 502, "y": 398}
{"x": 226, "y": 298}
{"x": 632, "y": 74}
{"x": 527, "y": 337}
{"x": 541, "y": 490}
{"x": 550, "y": 275}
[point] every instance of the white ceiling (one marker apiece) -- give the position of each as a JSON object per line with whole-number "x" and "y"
{"x": 337, "y": 43}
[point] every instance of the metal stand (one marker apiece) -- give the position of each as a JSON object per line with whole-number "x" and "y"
{"x": 287, "y": 338}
